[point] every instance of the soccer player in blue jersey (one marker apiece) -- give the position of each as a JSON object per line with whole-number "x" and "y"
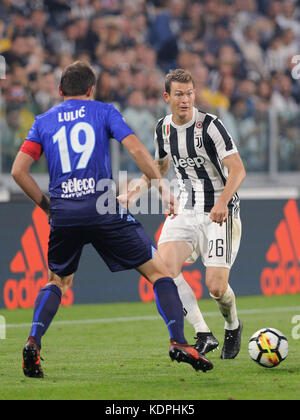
{"x": 74, "y": 136}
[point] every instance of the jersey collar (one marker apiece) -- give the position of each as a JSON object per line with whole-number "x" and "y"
{"x": 187, "y": 125}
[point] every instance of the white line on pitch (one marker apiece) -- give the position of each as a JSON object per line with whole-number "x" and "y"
{"x": 156, "y": 317}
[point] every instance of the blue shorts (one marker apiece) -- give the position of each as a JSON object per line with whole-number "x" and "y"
{"x": 122, "y": 243}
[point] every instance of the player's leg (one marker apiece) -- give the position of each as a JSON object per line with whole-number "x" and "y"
{"x": 177, "y": 244}
{"x": 47, "y": 304}
{"x": 167, "y": 299}
{"x": 65, "y": 247}
{"x": 45, "y": 309}
{"x": 170, "y": 308}
{"x": 217, "y": 283}
{"x": 222, "y": 293}
{"x": 219, "y": 252}
{"x": 112, "y": 240}
{"x": 174, "y": 255}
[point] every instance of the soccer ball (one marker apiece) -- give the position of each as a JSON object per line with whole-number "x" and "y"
{"x": 268, "y": 347}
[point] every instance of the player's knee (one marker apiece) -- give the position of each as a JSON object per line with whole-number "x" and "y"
{"x": 216, "y": 286}
{"x": 173, "y": 273}
{"x": 217, "y": 281}
{"x": 216, "y": 292}
{"x": 63, "y": 283}
{"x": 171, "y": 270}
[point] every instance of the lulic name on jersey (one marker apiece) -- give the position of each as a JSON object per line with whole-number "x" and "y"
{"x": 72, "y": 115}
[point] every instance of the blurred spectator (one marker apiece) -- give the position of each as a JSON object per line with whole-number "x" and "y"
{"x": 165, "y": 31}
{"x": 221, "y": 98}
{"x": 10, "y": 136}
{"x": 282, "y": 100}
{"x": 64, "y": 40}
{"x": 247, "y": 89}
{"x": 38, "y": 20}
{"x": 59, "y": 11}
{"x": 105, "y": 88}
{"x": 18, "y": 53}
{"x": 168, "y": 23}
{"x": 239, "y": 52}
{"x": 289, "y": 146}
{"x": 16, "y": 98}
{"x": 141, "y": 121}
{"x": 220, "y": 37}
{"x": 81, "y": 41}
{"x": 5, "y": 43}
{"x": 264, "y": 91}
{"x": 6, "y": 9}
{"x": 247, "y": 15}
{"x": 47, "y": 94}
{"x": 20, "y": 21}
{"x": 82, "y": 9}
{"x": 288, "y": 18}
{"x": 249, "y": 132}
{"x": 249, "y": 43}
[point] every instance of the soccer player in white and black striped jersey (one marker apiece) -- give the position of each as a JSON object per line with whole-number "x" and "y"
{"x": 209, "y": 172}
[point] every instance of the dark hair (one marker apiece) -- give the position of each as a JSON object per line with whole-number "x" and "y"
{"x": 77, "y": 78}
{"x": 178, "y": 75}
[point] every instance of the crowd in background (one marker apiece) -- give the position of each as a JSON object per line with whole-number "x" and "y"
{"x": 240, "y": 53}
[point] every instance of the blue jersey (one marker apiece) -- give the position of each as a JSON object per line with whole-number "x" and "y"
{"x": 75, "y": 139}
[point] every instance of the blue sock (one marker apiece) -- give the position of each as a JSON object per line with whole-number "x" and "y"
{"x": 46, "y": 306}
{"x": 170, "y": 307}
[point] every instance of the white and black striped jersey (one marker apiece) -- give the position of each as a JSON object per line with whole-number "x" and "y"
{"x": 197, "y": 150}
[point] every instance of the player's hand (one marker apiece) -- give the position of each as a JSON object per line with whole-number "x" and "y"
{"x": 170, "y": 204}
{"x": 126, "y": 200}
{"x": 173, "y": 208}
{"x": 219, "y": 213}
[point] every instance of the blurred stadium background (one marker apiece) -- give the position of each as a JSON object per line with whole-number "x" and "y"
{"x": 245, "y": 58}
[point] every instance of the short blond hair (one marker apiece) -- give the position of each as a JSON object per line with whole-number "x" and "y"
{"x": 178, "y": 75}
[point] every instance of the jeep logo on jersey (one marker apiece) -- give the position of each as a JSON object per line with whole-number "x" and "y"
{"x": 188, "y": 162}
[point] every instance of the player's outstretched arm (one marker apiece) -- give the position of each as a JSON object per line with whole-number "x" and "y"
{"x": 151, "y": 169}
{"x": 237, "y": 174}
{"x": 21, "y": 174}
{"x": 143, "y": 185}
{"x": 142, "y": 157}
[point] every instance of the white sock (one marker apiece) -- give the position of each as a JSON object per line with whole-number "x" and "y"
{"x": 228, "y": 309}
{"x": 190, "y": 305}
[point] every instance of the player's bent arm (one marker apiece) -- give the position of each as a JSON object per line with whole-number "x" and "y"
{"x": 142, "y": 157}
{"x": 151, "y": 170}
{"x": 144, "y": 184}
{"x": 163, "y": 166}
{"x": 21, "y": 174}
{"x": 236, "y": 176}
{"x": 144, "y": 161}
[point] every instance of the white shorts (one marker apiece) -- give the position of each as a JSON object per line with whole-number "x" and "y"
{"x": 217, "y": 245}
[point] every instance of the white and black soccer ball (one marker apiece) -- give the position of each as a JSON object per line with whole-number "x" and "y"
{"x": 268, "y": 347}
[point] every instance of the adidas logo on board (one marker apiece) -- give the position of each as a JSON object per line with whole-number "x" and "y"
{"x": 29, "y": 267}
{"x": 284, "y": 255}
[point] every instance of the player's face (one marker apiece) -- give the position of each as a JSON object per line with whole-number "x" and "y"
{"x": 181, "y": 100}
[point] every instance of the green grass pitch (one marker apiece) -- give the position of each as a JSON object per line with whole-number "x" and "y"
{"x": 120, "y": 352}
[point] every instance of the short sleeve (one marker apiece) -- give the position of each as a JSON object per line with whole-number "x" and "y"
{"x": 33, "y": 134}
{"x": 222, "y": 140}
{"x": 117, "y": 126}
{"x": 160, "y": 153}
